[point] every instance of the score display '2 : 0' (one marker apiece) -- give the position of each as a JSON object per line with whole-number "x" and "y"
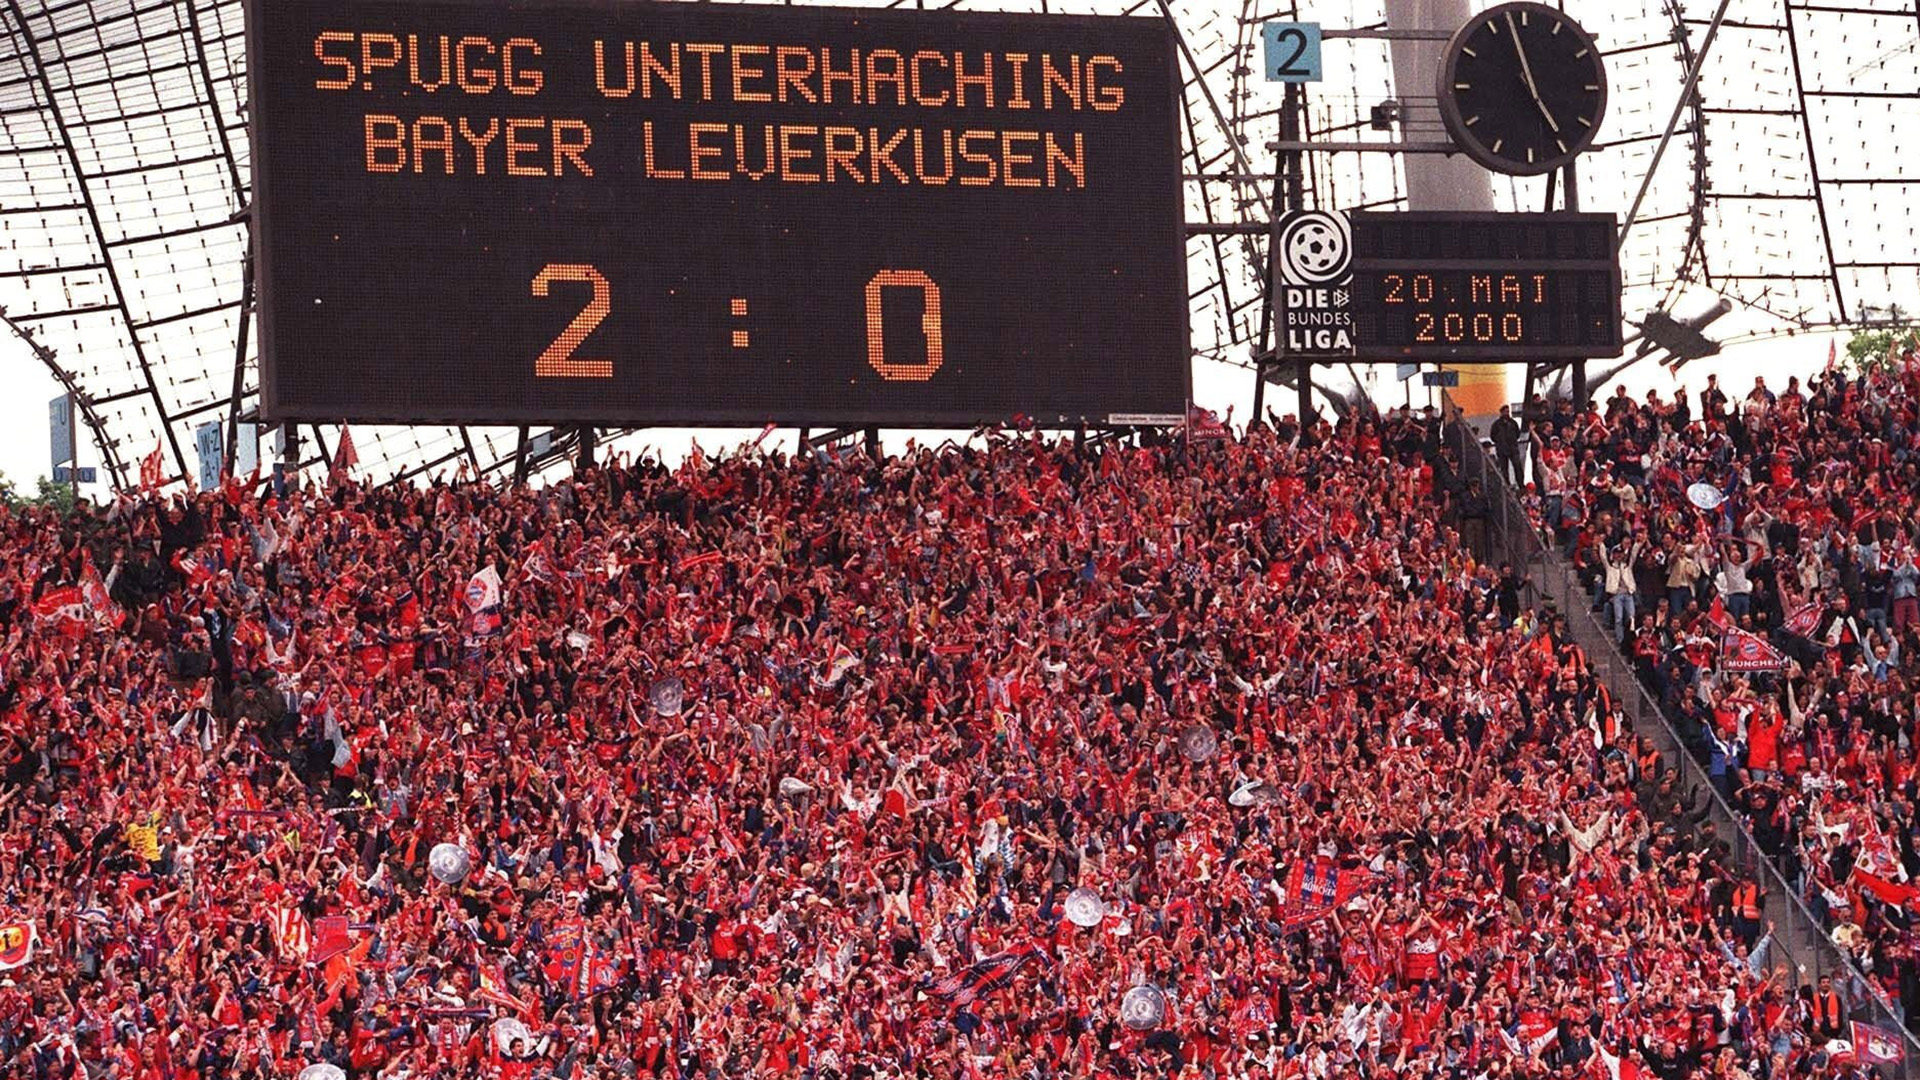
{"x": 558, "y": 361}
{"x": 1453, "y": 327}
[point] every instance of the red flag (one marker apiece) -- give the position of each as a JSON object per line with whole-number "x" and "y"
{"x": 1741, "y": 651}
{"x": 1877, "y": 1046}
{"x": 1204, "y": 423}
{"x": 1886, "y": 890}
{"x": 345, "y": 457}
{"x": 1833, "y": 353}
{"x": 1717, "y": 615}
{"x": 331, "y": 937}
{"x": 150, "y": 466}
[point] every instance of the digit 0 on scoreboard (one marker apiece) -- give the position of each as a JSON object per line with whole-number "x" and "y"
{"x": 586, "y": 212}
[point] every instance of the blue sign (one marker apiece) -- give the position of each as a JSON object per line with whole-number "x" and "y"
{"x": 1448, "y": 379}
{"x": 60, "y": 430}
{"x": 1293, "y": 51}
{"x": 207, "y": 440}
{"x": 64, "y": 475}
{"x": 1403, "y": 372}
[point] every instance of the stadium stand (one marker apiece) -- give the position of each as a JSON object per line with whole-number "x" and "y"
{"x": 770, "y": 767}
{"x": 1772, "y": 614}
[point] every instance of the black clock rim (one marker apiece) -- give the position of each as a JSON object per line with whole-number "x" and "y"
{"x": 1455, "y": 122}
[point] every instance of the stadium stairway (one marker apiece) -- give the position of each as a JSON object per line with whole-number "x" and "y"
{"x": 1800, "y": 945}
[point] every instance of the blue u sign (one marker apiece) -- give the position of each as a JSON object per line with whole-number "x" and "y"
{"x": 1293, "y": 51}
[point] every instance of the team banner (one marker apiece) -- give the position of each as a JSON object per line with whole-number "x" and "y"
{"x": 1315, "y": 887}
{"x": 973, "y": 982}
{"x": 1877, "y": 1046}
{"x": 1742, "y": 651}
{"x": 1204, "y": 423}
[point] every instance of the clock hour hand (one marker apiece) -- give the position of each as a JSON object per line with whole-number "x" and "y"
{"x": 1526, "y": 72}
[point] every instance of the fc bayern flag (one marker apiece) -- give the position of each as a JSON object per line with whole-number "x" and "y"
{"x": 1741, "y": 651}
{"x": 1877, "y": 1046}
{"x": 566, "y": 952}
{"x": 1315, "y": 887}
{"x": 1803, "y": 621}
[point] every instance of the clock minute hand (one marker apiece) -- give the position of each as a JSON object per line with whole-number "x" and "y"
{"x": 1526, "y": 72}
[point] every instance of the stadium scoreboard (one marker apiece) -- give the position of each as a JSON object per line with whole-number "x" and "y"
{"x": 1468, "y": 286}
{"x": 579, "y": 211}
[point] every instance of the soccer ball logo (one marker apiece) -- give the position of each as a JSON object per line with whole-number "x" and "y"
{"x": 1314, "y": 248}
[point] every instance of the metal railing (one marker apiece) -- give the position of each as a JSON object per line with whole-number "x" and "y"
{"x": 1798, "y": 936}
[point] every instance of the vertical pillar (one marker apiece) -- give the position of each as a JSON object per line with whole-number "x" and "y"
{"x": 1443, "y": 181}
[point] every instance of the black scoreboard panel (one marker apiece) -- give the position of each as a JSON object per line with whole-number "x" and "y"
{"x": 617, "y": 213}
{"x": 1443, "y": 286}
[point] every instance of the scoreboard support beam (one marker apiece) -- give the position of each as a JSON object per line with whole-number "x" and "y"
{"x": 1306, "y": 391}
{"x": 234, "y": 397}
{"x": 584, "y": 460}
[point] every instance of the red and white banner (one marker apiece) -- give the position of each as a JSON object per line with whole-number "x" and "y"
{"x": 291, "y": 934}
{"x": 151, "y": 470}
{"x": 483, "y": 600}
{"x": 1884, "y": 889}
{"x": 64, "y": 604}
{"x": 1741, "y": 651}
{"x": 17, "y": 940}
{"x": 95, "y": 591}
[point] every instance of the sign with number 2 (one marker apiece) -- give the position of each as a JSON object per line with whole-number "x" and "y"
{"x": 1293, "y": 51}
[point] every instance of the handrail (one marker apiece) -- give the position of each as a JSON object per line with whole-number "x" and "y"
{"x": 1805, "y": 942}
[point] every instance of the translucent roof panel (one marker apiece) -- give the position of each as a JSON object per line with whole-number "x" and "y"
{"x": 124, "y": 173}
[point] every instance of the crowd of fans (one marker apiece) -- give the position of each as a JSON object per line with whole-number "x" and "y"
{"x": 1774, "y": 612}
{"x": 772, "y": 767}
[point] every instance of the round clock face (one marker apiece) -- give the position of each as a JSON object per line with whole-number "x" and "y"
{"x": 1522, "y": 88}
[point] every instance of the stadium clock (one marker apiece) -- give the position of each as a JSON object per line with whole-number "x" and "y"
{"x": 1522, "y": 88}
